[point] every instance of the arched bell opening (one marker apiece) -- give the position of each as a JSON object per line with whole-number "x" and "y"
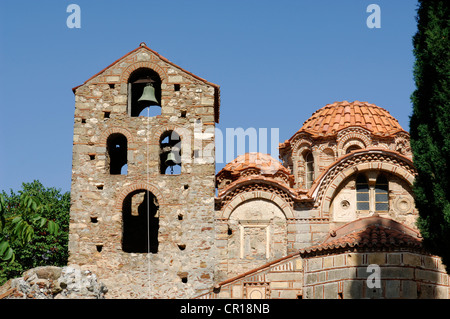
{"x": 140, "y": 216}
{"x": 144, "y": 93}
{"x": 170, "y": 153}
{"x": 116, "y": 153}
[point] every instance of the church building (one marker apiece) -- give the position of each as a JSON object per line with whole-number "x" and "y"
{"x": 334, "y": 217}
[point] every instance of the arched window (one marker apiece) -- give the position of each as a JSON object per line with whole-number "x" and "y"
{"x": 382, "y": 194}
{"x": 362, "y": 193}
{"x": 309, "y": 169}
{"x": 170, "y": 153}
{"x": 117, "y": 149}
{"x": 144, "y": 93}
{"x": 140, "y": 223}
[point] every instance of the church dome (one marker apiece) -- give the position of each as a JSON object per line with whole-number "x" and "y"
{"x": 251, "y": 165}
{"x": 332, "y": 118}
{"x": 262, "y": 162}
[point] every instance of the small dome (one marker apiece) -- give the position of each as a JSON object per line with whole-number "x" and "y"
{"x": 253, "y": 165}
{"x": 332, "y": 118}
{"x": 263, "y": 162}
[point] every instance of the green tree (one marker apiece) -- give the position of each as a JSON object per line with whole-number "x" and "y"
{"x": 430, "y": 125}
{"x": 33, "y": 229}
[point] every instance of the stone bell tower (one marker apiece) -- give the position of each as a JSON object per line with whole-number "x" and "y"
{"x": 142, "y": 197}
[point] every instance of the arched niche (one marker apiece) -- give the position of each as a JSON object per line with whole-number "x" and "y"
{"x": 257, "y": 231}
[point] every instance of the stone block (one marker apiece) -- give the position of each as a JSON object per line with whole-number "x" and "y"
{"x": 393, "y": 258}
{"x": 310, "y": 279}
{"x": 330, "y": 291}
{"x": 339, "y": 260}
{"x": 112, "y": 79}
{"x": 303, "y": 238}
{"x": 426, "y": 275}
{"x": 279, "y": 284}
{"x": 354, "y": 259}
{"x": 396, "y": 273}
{"x": 376, "y": 258}
{"x": 175, "y": 79}
{"x": 328, "y": 262}
{"x": 409, "y": 289}
{"x": 411, "y": 259}
{"x": 318, "y": 292}
{"x": 341, "y": 273}
{"x": 322, "y": 276}
{"x": 429, "y": 262}
{"x": 392, "y": 289}
{"x": 297, "y": 285}
{"x": 119, "y": 99}
{"x": 353, "y": 289}
{"x": 314, "y": 264}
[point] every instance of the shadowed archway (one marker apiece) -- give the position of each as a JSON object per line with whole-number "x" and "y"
{"x": 140, "y": 215}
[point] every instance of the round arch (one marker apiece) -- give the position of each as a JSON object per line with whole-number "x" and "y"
{"x": 260, "y": 194}
{"x": 105, "y": 134}
{"x": 383, "y": 161}
{"x": 137, "y": 186}
{"x": 139, "y": 65}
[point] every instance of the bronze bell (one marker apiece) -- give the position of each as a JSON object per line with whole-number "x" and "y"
{"x": 171, "y": 160}
{"x": 148, "y": 96}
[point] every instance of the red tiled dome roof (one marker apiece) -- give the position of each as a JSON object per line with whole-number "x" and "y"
{"x": 253, "y": 168}
{"x": 334, "y": 117}
{"x": 264, "y": 162}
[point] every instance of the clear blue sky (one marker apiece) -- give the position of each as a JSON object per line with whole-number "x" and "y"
{"x": 276, "y": 62}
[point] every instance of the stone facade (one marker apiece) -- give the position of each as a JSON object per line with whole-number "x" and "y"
{"x": 403, "y": 275}
{"x": 291, "y": 229}
{"x": 107, "y": 230}
{"x": 343, "y": 267}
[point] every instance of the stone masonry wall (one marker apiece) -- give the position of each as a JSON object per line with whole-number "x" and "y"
{"x": 404, "y": 275}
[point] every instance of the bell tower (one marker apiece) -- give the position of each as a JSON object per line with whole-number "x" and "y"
{"x": 142, "y": 197}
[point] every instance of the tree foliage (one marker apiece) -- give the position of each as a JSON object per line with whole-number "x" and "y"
{"x": 34, "y": 227}
{"x": 430, "y": 125}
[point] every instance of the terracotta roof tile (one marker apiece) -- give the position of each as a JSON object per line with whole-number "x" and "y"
{"x": 332, "y": 118}
{"x": 264, "y": 162}
{"x": 372, "y": 232}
